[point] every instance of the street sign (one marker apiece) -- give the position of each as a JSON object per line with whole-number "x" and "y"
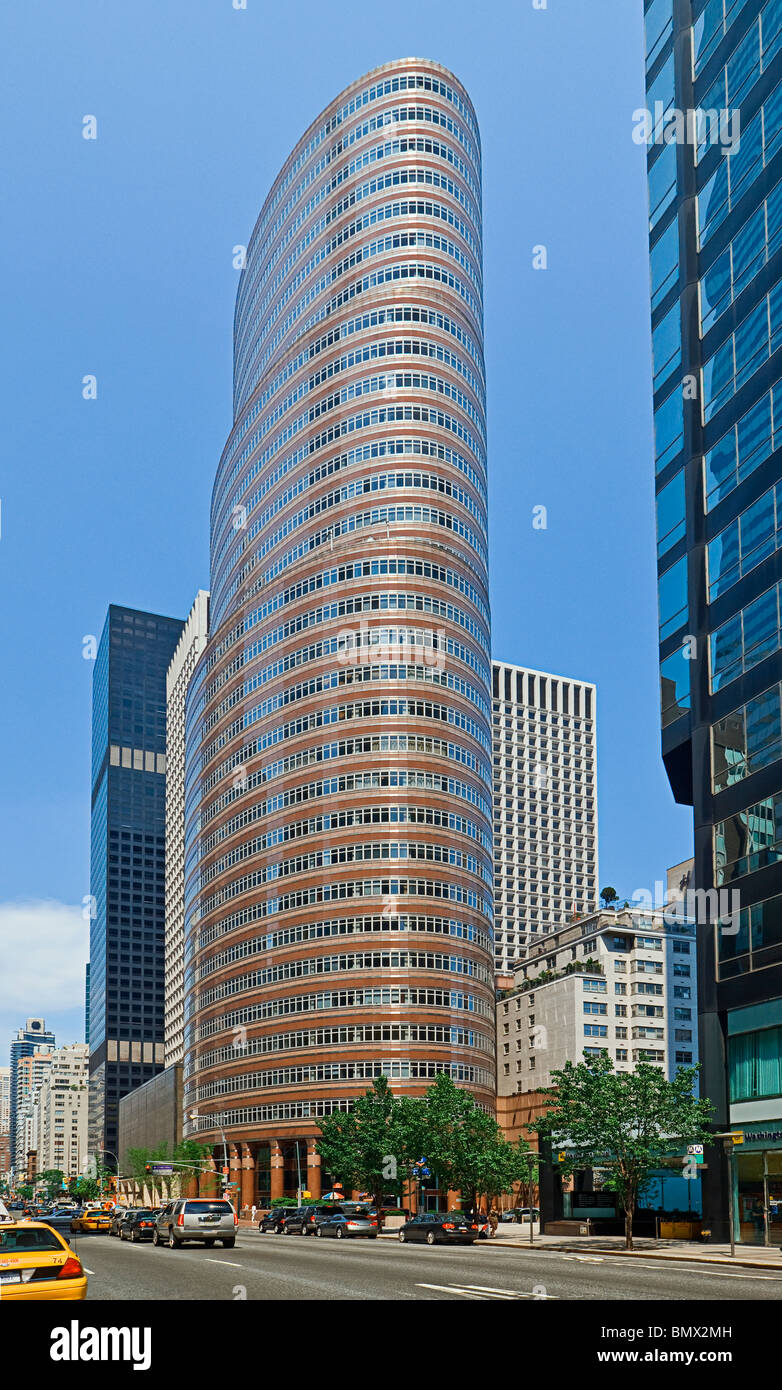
{"x": 738, "y": 1136}
{"x": 695, "y": 1152}
{"x": 161, "y": 1170}
{"x": 561, "y": 1157}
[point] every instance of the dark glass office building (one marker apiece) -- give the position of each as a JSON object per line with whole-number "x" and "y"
{"x": 126, "y": 972}
{"x": 714, "y": 135}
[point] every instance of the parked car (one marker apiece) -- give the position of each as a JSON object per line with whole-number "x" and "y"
{"x": 138, "y": 1224}
{"x": 440, "y": 1228}
{"x": 117, "y": 1217}
{"x": 274, "y": 1220}
{"x": 520, "y": 1214}
{"x": 304, "y": 1221}
{"x": 348, "y": 1223}
{"x": 205, "y": 1219}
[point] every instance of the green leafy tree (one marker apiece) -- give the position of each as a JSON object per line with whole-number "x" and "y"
{"x": 52, "y": 1179}
{"x": 86, "y": 1189}
{"x": 371, "y": 1146}
{"x": 25, "y": 1192}
{"x": 622, "y": 1122}
{"x": 465, "y": 1146}
{"x": 191, "y": 1159}
{"x": 608, "y": 896}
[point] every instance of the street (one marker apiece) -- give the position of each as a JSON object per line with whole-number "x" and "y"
{"x": 290, "y": 1268}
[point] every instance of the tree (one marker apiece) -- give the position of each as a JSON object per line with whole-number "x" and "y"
{"x": 371, "y": 1146}
{"x": 465, "y": 1146}
{"x": 52, "y": 1179}
{"x": 84, "y": 1188}
{"x": 608, "y": 896}
{"x": 623, "y": 1122}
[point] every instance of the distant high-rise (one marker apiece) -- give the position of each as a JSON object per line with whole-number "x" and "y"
{"x": 338, "y": 834}
{"x": 87, "y": 1003}
{"x": 188, "y": 649}
{"x": 127, "y": 861}
{"x": 545, "y": 806}
{"x": 34, "y": 1037}
{"x": 713, "y": 125}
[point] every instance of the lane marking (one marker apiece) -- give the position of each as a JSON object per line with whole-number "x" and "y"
{"x": 210, "y": 1261}
{"x": 480, "y": 1292}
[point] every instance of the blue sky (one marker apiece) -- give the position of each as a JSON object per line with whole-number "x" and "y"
{"x": 118, "y": 259}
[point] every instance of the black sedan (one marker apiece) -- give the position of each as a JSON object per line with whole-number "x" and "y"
{"x": 138, "y": 1224}
{"x": 275, "y": 1219}
{"x": 440, "y": 1228}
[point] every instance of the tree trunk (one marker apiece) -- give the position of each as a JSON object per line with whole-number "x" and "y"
{"x": 629, "y": 1225}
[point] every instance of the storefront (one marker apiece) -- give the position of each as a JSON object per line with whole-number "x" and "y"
{"x": 758, "y": 1184}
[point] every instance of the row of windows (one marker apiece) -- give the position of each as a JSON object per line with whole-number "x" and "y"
{"x": 745, "y": 639}
{"x": 755, "y": 340}
{"x": 745, "y": 542}
{"x": 735, "y": 173}
{"x": 753, "y": 942}
{"x": 340, "y": 576}
{"x": 401, "y": 1070}
{"x": 369, "y": 745}
{"x": 746, "y": 445}
{"x": 343, "y": 820}
{"x": 749, "y": 59}
{"x": 388, "y": 888}
{"x": 344, "y": 963}
{"x": 748, "y": 840}
{"x": 395, "y": 274}
{"x": 345, "y": 526}
{"x": 349, "y": 1035}
{"x": 710, "y": 27}
{"x": 385, "y": 317}
{"x": 750, "y": 249}
{"x": 371, "y": 852}
{"x": 339, "y": 786}
{"x": 410, "y": 997}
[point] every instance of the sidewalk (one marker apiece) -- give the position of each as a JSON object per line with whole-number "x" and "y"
{"x": 749, "y": 1256}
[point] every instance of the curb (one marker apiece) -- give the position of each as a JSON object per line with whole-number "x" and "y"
{"x": 646, "y": 1255}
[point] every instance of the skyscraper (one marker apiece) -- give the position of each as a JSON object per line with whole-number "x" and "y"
{"x": 714, "y": 129}
{"x": 34, "y": 1037}
{"x": 127, "y": 861}
{"x": 545, "y": 805}
{"x": 183, "y": 663}
{"x": 338, "y": 879}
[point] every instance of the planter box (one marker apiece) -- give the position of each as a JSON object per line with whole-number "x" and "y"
{"x": 680, "y": 1230}
{"x": 392, "y": 1223}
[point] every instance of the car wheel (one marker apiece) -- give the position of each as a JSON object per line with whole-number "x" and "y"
{"x": 134, "y": 1237}
{"x": 230, "y": 1243}
{"x": 400, "y": 1235}
{"x": 209, "y": 1244}
{"x": 155, "y": 1237}
{"x": 122, "y": 1235}
{"x": 304, "y": 1231}
{"x": 318, "y": 1231}
{"x": 430, "y": 1237}
{"x": 172, "y": 1242}
{"x": 373, "y": 1237}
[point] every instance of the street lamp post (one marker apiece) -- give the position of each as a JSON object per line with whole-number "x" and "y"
{"x": 193, "y": 1114}
{"x": 729, "y": 1140}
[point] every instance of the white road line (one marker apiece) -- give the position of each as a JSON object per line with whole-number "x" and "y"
{"x": 209, "y": 1261}
{"x": 87, "y": 1271}
{"x": 479, "y": 1291}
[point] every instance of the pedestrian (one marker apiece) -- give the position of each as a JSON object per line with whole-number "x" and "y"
{"x": 494, "y": 1221}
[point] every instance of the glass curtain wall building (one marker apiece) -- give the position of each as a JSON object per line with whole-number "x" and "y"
{"x": 714, "y": 126}
{"x": 338, "y": 796}
{"x": 127, "y": 869}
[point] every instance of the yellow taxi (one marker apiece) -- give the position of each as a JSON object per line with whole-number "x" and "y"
{"x": 94, "y": 1219}
{"x": 36, "y": 1262}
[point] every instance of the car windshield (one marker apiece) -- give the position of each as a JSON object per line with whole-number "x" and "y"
{"x": 220, "y": 1208}
{"x": 28, "y": 1238}
{"x": 142, "y": 1211}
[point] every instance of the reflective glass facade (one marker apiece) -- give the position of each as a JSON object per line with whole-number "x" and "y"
{"x": 715, "y": 175}
{"x": 127, "y": 873}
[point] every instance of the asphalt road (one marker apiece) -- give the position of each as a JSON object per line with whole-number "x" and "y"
{"x": 289, "y": 1268}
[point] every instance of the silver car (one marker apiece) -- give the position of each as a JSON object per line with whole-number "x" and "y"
{"x": 205, "y": 1219}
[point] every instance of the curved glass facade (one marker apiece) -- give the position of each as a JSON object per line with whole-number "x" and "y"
{"x": 338, "y": 788}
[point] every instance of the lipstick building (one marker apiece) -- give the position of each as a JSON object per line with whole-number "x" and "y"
{"x": 338, "y": 794}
